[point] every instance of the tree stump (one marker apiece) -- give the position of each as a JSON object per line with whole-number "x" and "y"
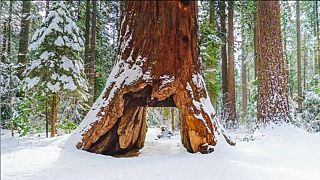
{"x": 157, "y": 65}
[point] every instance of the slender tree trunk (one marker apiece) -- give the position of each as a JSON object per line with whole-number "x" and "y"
{"x": 285, "y": 52}
{"x": 79, "y": 9}
{"x": 299, "y": 78}
{"x": 9, "y": 32}
{"x": 272, "y": 89}
{"x": 87, "y": 39}
{"x": 224, "y": 63}
{"x": 47, "y": 120}
{"x": 255, "y": 47}
{"x": 305, "y": 66}
{"x": 210, "y": 69}
{"x": 92, "y": 60}
{"x": 231, "y": 79}
{"x": 1, "y": 40}
{"x": 47, "y": 7}
{"x": 172, "y": 119}
{"x": 24, "y": 37}
{"x": 54, "y": 114}
{"x": 1, "y": 48}
{"x": 10, "y": 70}
{"x": 318, "y": 37}
{"x": 243, "y": 76}
{"x": 4, "y": 42}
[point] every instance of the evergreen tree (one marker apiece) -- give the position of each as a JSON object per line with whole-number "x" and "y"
{"x": 58, "y": 69}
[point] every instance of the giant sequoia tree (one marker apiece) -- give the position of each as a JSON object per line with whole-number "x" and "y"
{"x": 157, "y": 65}
{"x": 272, "y": 89}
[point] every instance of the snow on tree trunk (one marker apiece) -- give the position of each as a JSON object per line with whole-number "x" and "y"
{"x": 272, "y": 89}
{"x": 158, "y": 65}
{"x": 224, "y": 62}
{"x": 24, "y": 37}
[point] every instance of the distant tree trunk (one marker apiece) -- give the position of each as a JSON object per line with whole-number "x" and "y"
{"x": 158, "y": 65}
{"x": 87, "y": 39}
{"x": 24, "y": 37}
{"x": 54, "y": 114}
{"x": 10, "y": 68}
{"x": 92, "y": 58}
{"x": 210, "y": 69}
{"x": 47, "y": 119}
{"x": 79, "y": 9}
{"x": 305, "y": 66}
{"x": 4, "y": 42}
{"x": 172, "y": 119}
{"x": 231, "y": 120}
{"x": 9, "y": 31}
{"x": 47, "y": 7}
{"x": 1, "y": 48}
{"x": 318, "y": 37}
{"x": 1, "y": 40}
{"x": 243, "y": 76}
{"x": 224, "y": 63}
{"x": 285, "y": 52}
{"x": 272, "y": 89}
{"x": 255, "y": 47}
{"x": 299, "y": 79}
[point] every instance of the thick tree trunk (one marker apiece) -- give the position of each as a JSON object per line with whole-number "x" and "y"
{"x": 299, "y": 78}
{"x": 272, "y": 89}
{"x": 158, "y": 65}
{"x": 231, "y": 120}
{"x": 92, "y": 53}
{"x": 24, "y": 37}
{"x": 224, "y": 63}
{"x": 54, "y": 114}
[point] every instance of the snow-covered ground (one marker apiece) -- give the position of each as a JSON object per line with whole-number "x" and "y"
{"x": 279, "y": 153}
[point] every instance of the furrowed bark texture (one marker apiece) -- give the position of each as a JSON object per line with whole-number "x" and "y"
{"x": 224, "y": 63}
{"x": 24, "y": 37}
{"x": 272, "y": 89}
{"x": 159, "y": 38}
{"x": 231, "y": 120}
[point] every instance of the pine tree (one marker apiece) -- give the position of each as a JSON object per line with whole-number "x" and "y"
{"x": 58, "y": 69}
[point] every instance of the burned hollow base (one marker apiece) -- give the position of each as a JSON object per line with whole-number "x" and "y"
{"x": 157, "y": 65}
{"x": 122, "y": 126}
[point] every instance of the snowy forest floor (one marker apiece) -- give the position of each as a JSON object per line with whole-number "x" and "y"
{"x": 274, "y": 153}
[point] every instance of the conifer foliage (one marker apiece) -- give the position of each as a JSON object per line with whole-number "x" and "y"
{"x": 58, "y": 68}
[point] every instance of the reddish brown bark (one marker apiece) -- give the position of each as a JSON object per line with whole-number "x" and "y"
{"x": 272, "y": 89}
{"x": 231, "y": 120}
{"x": 159, "y": 46}
{"x": 54, "y": 113}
